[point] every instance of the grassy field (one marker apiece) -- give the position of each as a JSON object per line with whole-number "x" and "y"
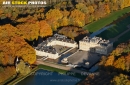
{"x": 116, "y": 29}
{"x": 92, "y": 27}
{"x": 122, "y": 39}
{"x": 51, "y": 69}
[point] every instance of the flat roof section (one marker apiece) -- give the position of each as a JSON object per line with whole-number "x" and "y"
{"x": 81, "y": 57}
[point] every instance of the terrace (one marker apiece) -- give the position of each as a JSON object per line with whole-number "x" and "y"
{"x": 84, "y": 58}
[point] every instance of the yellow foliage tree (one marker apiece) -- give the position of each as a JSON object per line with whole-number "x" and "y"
{"x": 45, "y": 29}
{"x": 110, "y": 61}
{"x": 29, "y": 31}
{"x": 77, "y": 17}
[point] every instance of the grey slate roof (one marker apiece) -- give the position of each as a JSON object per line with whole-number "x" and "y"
{"x": 42, "y": 46}
{"x": 96, "y": 40}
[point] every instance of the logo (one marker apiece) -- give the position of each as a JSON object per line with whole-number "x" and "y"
{"x": 24, "y": 3}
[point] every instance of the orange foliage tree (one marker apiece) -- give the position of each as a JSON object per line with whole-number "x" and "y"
{"x": 29, "y": 31}
{"x": 24, "y": 50}
{"x": 6, "y": 72}
{"x": 110, "y": 61}
{"x": 120, "y": 63}
{"x": 45, "y": 29}
{"x": 77, "y": 18}
{"x": 13, "y": 46}
{"x": 52, "y": 17}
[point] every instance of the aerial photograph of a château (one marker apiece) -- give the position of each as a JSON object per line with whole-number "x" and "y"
{"x": 64, "y": 42}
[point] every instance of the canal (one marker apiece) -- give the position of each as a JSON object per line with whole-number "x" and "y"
{"x": 44, "y": 77}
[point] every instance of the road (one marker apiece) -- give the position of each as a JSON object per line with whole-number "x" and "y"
{"x": 38, "y": 62}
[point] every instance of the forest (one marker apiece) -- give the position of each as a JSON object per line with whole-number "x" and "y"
{"x": 19, "y": 25}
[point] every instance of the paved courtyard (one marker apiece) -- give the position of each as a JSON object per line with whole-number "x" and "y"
{"x": 60, "y": 49}
{"x": 81, "y": 57}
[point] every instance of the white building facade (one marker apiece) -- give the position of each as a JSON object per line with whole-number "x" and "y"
{"x": 46, "y": 47}
{"x": 96, "y": 45}
{"x": 47, "y": 54}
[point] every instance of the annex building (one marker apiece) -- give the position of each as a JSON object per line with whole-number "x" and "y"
{"x": 96, "y": 45}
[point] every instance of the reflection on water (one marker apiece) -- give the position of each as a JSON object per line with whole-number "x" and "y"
{"x": 44, "y": 77}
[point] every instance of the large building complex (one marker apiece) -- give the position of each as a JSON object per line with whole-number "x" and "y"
{"x": 51, "y": 48}
{"x": 96, "y": 45}
{"x": 46, "y": 48}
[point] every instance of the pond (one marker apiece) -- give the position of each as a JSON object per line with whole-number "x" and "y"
{"x": 44, "y": 77}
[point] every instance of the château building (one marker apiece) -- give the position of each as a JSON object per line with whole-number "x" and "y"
{"x": 96, "y": 45}
{"x": 46, "y": 47}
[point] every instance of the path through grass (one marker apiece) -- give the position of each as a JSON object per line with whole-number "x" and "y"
{"x": 92, "y": 27}
{"x": 117, "y": 29}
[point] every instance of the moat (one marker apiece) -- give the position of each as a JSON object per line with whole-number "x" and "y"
{"x": 44, "y": 77}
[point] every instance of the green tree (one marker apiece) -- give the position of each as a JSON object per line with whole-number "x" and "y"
{"x": 23, "y": 68}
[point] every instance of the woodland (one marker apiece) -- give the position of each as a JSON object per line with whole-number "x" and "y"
{"x": 18, "y": 26}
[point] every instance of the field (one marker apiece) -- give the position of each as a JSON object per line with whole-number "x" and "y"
{"x": 92, "y": 27}
{"x": 123, "y": 38}
{"x": 117, "y": 29}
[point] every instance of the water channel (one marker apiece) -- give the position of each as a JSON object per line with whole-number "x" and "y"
{"x": 44, "y": 77}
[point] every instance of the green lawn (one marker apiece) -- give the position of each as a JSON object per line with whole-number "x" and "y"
{"x": 116, "y": 29}
{"x": 122, "y": 39}
{"x": 92, "y": 27}
{"x": 51, "y": 69}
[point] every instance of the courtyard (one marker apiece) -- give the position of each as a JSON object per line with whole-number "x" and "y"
{"x": 81, "y": 57}
{"x": 61, "y": 49}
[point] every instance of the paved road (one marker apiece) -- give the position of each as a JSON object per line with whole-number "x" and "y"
{"x": 60, "y": 67}
{"x": 116, "y": 38}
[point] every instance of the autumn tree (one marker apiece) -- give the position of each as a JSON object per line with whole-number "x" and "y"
{"x": 6, "y": 73}
{"x": 107, "y": 8}
{"x": 82, "y": 8}
{"x": 91, "y": 9}
{"x": 45, "y": 29}
{"x": 120, "y": 80}
{"x": 64, "y": 22}
{"x": 52, "y": 17}
{"x": 65, "y": 13}
{"x": 29, "y": 31}
{"x": 12, "y": 46}
{"x": 73, "y": 32}
{"x": 77, "y": 18}
{"x": 7, "y": 53}
{"x": 24, "y": 50}
{"x": 120, "y": 63}
{"x": 110, "y": 61}
{"x": 28, "y": 19}
{"x": 127, "y": 58}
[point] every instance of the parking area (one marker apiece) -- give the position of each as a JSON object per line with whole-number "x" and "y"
{"x": 81, "y": 57}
